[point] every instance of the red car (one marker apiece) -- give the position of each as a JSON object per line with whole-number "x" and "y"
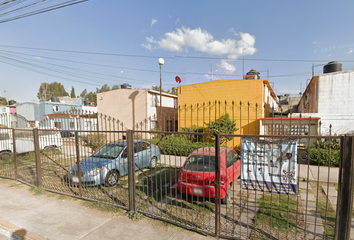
{"x": 197, "y": 177}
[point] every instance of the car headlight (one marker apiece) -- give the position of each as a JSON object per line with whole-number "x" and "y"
{"x": 95, "y": 172}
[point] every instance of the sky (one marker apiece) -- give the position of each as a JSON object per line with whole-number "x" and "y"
{"x": 113, "y": 42}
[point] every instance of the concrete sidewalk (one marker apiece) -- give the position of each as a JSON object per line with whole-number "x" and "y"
{"x": 24, "y": 215}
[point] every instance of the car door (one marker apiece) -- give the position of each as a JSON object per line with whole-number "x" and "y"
{"x": 146, "y": 154}
{"x": 138, "y": 155}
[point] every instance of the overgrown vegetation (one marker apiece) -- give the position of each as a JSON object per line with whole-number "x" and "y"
{"x": 180, "y": 145}
{"x": 325, "y": 152}
{"x": 96, "y": 140}
{"x": 277, "y": 212}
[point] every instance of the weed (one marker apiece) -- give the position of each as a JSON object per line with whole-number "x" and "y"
{"x": 135, "y": 215}
{"x": 37, "y": 190}
{"x": 103, "y": 207}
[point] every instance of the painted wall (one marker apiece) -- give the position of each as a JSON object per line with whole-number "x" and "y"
{"x": 29, "y": 110}
{"x": 126, "y": 105}
{"x": 244, "y": 100}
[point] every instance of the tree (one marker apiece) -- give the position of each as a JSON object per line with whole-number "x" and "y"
{"x": 91, "y": 98}
{"x": 48, "y": 90}
{"x": 88, "y": 97}
{"x": 115, "y": 87}
{"x": 104, "y": 88}
{"x": 3, "y": 101}
{"x": 222, "y": 126}
{"x": 83, "y": 94}
{"x": 72, "y": 94}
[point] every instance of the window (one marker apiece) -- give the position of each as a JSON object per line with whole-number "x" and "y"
{"x": 145, "y": 145}
{"x": 230, "y": 159}
{"x": 56, "y": 108}
{"x": 137, "y": 147}
{"x": 282, "y": 129}
{"x": 72, "y": 125}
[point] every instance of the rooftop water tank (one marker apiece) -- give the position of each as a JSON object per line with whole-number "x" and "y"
{"x": 126, "y": 86}
{"x": 333, "y": 66}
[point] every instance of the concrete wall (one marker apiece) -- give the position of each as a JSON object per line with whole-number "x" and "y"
{"x": 331, "y": 97}
{"x": 336, "y": 93}
{"x": 126, "y": 105}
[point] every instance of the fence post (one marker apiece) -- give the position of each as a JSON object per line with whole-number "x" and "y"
{"x": 38, "y": 157}
{"x": 345, "y": 189}
{"x": 217, "y": 185}
{"x": 78, "y": 162}
{"x": 14, "y": 151}
{"x": 131, "y": 170}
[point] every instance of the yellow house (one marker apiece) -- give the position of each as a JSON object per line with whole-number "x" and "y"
{"x": 246, "y": 101}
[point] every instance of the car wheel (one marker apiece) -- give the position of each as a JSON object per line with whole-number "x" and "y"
{"x": 50, "y": 149}
{"x": 153, "y": 163}
{"x": 5, "y": 155}
{"x": 112, "y": 178}
{"x": 227, "y": 198}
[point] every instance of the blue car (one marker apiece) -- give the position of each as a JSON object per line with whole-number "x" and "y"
{"x": 110, "y": 163}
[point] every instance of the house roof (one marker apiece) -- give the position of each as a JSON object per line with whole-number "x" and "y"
{"x": 163, "y": 93}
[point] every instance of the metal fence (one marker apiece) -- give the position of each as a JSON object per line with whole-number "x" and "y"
{"x": 208, "y": 192}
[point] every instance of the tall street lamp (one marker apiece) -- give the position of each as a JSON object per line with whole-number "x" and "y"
{"x": 161, "y": 62}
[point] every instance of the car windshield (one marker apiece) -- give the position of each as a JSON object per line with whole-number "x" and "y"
{"x": 200, "y": 163}
{"x": 109, "y": 151}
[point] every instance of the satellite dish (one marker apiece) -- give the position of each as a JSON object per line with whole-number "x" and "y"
{"x": 178, "y": 79}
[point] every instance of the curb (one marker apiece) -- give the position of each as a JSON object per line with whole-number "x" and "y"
{"x": 11, "y": 231}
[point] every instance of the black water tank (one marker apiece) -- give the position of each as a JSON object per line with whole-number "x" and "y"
{"x": 255, "y": 73}
{"x": 126, "y": 86}
{"x": 333, "y": 66}
{"x": 12, "y": 102}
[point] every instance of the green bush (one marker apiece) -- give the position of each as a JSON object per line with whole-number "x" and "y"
{"x": 96, "y": 140}
{"x": 325, "y": 150}
{"x": 180, "y": 145}
{"x": 323, "y": 156}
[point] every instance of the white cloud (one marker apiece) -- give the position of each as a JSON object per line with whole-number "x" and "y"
{"x": 233, "y": 31}
{"x": 227, "y": 67}
{"x": 351, "y": 50}
{"x": 183, "y": 39}
{"x": 314, "y": 42}
{"x": 153, "y": 21}
{"x": 177, "y": 21}
{"x": 150, "y": 40}
{"x": 38, "y": 58}
{"x": 147, "y": 46}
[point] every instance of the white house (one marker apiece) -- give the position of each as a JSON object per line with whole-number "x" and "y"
{"x": 330, "y": 96}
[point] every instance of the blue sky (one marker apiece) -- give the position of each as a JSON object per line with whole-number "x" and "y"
{"x": 115, "y": 42}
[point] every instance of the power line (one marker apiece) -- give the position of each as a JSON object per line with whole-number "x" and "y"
{"x": 35, "y": 12}
{"x": 174, "y": 57}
